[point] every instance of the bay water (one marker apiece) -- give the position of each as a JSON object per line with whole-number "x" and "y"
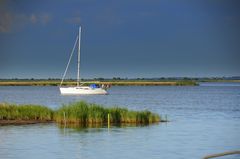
{"x": 204, "y": 120}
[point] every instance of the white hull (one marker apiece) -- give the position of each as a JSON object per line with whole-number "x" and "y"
{"x": 81, "y": 90}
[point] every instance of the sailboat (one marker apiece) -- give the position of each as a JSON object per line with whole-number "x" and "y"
{"x": 93, "y": 89}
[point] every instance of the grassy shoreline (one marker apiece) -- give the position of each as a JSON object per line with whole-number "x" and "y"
{"x": 113, "y": 83}
{"x": 79, "y": 113}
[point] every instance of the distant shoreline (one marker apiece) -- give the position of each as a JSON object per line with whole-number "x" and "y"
{"x": 113, "y": 83}
{"x": 122, "y": 82}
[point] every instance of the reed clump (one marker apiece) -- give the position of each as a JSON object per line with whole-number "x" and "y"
{"x": 25, "y": 112}
{"x": 79, "y": 113}
{"x": 83, "y": 113}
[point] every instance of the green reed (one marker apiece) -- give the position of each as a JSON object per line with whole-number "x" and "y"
{"x": 87, "y": 114}
{"x": 24, "y": 112}
{"x": 79, "y": 113}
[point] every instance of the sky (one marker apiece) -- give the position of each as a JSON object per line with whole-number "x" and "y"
{"x": 126, "y": 38}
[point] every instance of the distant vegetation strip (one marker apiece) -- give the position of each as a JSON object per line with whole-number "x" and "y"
{"x": 113, "y": 83}
{"x": 79, "y": 113}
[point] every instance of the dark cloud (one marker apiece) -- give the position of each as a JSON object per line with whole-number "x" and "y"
{"x": 74, "y": 20}
{"x": 109, "y": 19}
{"x": 9, "y": 21}
{"x": 33, "y": 18}
{"x": 121, "y": 38}
{"x": 6, "y": 21}
{"x": 44, "y": 18}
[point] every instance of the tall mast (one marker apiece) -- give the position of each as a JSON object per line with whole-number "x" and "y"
{"x": 78, "y": 72}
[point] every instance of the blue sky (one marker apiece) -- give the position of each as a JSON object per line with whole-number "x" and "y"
{"x": 127, "y": 38}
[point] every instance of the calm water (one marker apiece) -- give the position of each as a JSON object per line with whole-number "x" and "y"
{"x": 204, "y": 120}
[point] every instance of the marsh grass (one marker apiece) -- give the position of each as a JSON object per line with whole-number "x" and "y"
{"x": 83, "y": 113}
{"x": 24, "y": 112}
{"x": 75, "y": 114}
{"x": 186, "y": 83}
